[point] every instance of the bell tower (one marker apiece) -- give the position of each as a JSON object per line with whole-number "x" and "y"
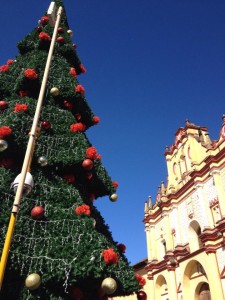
{"x": 191, "y": 146}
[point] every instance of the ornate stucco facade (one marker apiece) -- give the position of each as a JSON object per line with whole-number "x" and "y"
{"x": 185, "y": 228}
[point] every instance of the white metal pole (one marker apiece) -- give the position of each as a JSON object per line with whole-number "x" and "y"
{"x": 36, "y": 116}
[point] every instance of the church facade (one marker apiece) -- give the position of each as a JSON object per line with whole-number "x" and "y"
{"x": 185, "y": 228}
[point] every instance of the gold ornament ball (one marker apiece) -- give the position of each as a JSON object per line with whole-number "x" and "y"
{"x": 3, "y": 145}
{"x": 43, "y": 161}
{"x": 70, "y": 32}
{"x": 33, "y": 281}
{"x": 54, "y": 91}
{"x": 113, "y": 197}
{"x": 109, "y": 285}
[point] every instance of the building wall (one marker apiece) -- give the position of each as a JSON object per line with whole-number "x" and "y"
{"x": 185, "y": 227}
{"x": 188, "y": 220}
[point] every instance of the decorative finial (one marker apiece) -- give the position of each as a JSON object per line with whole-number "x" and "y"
{"x": 223, "y": 118}
{"x": 159, "y": 189}
{"x": 150, "y": 202}
{"x": 146, "y": 207}
{"x": 163, "y": 189}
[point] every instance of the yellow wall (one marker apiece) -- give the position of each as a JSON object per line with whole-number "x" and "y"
{"x": 185, "y": 228}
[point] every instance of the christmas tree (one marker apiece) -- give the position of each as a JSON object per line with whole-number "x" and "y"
{"x": 61, "y": 247}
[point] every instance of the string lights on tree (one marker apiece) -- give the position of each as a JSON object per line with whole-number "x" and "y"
{"x": 51, "y": 175}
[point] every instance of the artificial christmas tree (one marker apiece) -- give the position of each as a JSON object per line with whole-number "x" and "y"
{"x": 61, "y": 247}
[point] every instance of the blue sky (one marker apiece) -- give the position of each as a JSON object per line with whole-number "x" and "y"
{"x": 151, "y": 64}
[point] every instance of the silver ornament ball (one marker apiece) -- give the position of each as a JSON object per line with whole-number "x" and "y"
{"x": 3, "y": 145}
{"x": 43, "y": 161}
{"x": 113, "y": 197}
{"x": 70, "y": 32}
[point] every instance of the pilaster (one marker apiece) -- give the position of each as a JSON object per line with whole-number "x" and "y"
{"x": 214, "y": 279}
{"x": 153, "y": 249}
{"x": 151, "y": 285}
{"x": 219, "y": 187}
{"x": 148, "y": 240}
{"x": 172, "y": 285}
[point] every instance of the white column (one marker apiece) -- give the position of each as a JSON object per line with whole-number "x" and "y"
{"x": 148, "y": 240}
{"x": 220, "y": 190}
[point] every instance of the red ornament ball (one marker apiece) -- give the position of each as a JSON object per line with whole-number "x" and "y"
{"x": 60, "y": 30}
{"x": 39, "y": 29}
{"x": 87, "y": 164}
{"x": 44, "y": 20}
{"x": 37, "y": 212}
{"x": 141, "y": 295}
{"x": 3, "y": 104}
{"x": 46, "y": 125}
{"x": 60, "y": 39}
{"x": 68, "y": 105}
